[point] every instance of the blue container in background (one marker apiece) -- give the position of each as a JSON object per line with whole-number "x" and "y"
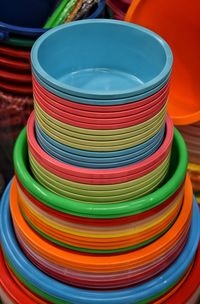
{"x": 25, "y": 18}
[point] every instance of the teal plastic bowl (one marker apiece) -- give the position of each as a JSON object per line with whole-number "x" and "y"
{"x": 101, "y": 59}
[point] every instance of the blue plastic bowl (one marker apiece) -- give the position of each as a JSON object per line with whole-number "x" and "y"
{"x": 100, "y": 102}
{"x": 68, "y": 294}
{"x": 101, "y": 59}
{"x": 26, "y": 18}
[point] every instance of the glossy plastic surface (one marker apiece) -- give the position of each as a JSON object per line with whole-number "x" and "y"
{"x": 174, "y": 180}
{"x": 121, "y": 78}
{"x": 53, "y": 289}
{"x": 168, "y": 19}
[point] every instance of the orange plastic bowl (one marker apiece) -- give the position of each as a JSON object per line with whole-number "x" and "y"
{"x": 100, "y": 263}
{"x": 178, "y": 23}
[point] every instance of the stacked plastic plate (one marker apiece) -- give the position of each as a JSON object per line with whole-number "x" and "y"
{"x": 114, "y": 228}
{"x": 119, "y": 8}
{"x": 183, "y": 106}
{"x": 22, "y": 23}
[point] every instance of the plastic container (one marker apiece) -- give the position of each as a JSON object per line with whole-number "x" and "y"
{"x": 20, "y": 21}
{"x": 98, "y": 112}
{"x": 99, "y": 163}
{"x": 118, "y": 193}
{"x": 101, "y": 102}
{"x": 98, "y": 248}
{"x": 135, "y": 170}
{"x": 122, "y": 79}
{"x": 66, "y": 134}
{"x": 22, "y": 14}
{"x": 107, "y": 157}
{"x": 113, "y": 227}
{"x": 115, "y": 132}
{"x": 184, "y": 106}
{"x": 136, "y": 178}
{"x": 135, "y": 116}
{"x": 98, "y": 223}
{"x": 19, "y": 28}
{"x": 86, "y": 123}
{"x": 102, "y": 241}
{"x": 174, "y": 180}
{"x": 55, "y": 290}
{"x": 101, "y": 263}
{"x": 106, "y": 109}
{"x": 97, "y": 280}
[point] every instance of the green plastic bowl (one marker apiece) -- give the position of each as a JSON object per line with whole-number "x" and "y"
{"x": 175, "y": 177}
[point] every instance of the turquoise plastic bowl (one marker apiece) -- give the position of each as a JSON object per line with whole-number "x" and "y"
{"x": 101, "y": 59}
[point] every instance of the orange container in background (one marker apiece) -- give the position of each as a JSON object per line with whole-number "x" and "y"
{"x": 177, "y": 21}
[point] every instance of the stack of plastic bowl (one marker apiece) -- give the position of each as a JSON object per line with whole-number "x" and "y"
{"x": 16, "y": 101}
{"x": 191, "y": 134}
{"x": 184, "y": 105}
{"x": 78, "y": 233}
{"x": 18, "y": 31}
{"x": 119, "y": 8}
{"x": 19, "y": 28}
